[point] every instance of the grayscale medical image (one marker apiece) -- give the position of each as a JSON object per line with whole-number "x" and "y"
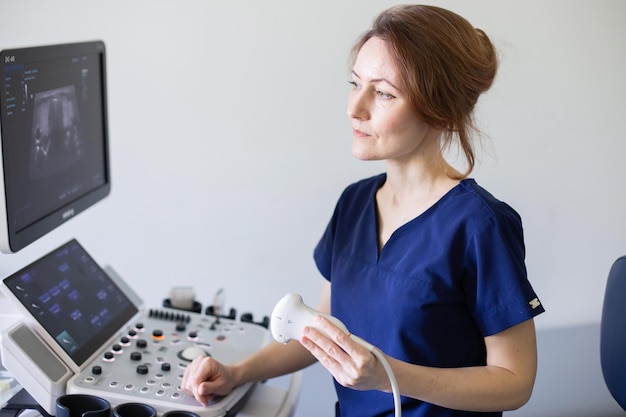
{"x": 57, "y": 141}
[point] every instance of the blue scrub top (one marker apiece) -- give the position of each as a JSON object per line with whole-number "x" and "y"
{"x": 442, "y": 282}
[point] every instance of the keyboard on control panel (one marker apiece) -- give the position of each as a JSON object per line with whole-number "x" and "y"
{"x": 147, "y": 363}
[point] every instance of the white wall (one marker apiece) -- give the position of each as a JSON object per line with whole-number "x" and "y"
{"x": 230, "y": 144}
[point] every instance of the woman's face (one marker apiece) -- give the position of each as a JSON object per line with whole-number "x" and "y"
{"x": 384, "y": 126}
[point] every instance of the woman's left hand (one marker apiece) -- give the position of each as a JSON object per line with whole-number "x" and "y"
{"x": 352, "y": 365}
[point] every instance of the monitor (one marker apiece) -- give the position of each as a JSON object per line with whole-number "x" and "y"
{"x": 54, "y": 160}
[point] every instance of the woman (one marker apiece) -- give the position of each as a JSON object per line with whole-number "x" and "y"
{"x": 420, "y": 261}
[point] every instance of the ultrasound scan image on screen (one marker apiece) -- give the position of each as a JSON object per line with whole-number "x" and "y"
{"x": 57, "y": 142}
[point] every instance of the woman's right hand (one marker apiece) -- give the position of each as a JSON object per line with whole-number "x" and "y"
{"x": 205, "y": 378}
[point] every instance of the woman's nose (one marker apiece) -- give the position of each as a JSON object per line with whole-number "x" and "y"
{"x": 357, "y": 105}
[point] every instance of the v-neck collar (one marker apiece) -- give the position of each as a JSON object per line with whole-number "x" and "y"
{"x": 373, "y": 212}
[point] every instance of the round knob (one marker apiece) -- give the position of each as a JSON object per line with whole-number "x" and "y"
{"x": 180, "y": 327}
{"x": 157, "y": 334}
{"x": 116, "y": 348}
{"x": 124, "y": 340}
{"x": 135, "y": 356}
{"x": 96, "y": 370}
{"x": 141, "y": 343}
{"x": 142, "y": 369}
{"x": 108, "y": 355}
{"x": 192, "y": 352}
{"x": 166, "y": 367}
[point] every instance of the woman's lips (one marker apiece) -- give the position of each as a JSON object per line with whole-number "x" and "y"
{"x": 358, "y": 133}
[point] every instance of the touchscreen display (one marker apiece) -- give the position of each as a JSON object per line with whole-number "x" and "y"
{"x": 73, "y": 299}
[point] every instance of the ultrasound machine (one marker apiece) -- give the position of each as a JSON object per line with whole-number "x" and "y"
{"x": 81, "y": 329}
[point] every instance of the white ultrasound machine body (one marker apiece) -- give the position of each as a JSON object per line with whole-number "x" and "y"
{"x": 82, "y": 329}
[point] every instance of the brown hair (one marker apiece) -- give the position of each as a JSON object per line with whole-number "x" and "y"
{"x": 445, "y": 64}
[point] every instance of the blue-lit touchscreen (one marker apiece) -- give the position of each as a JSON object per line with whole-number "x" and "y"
{"x": 74, "y": 300}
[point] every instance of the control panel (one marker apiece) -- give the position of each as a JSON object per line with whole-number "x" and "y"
{"x": 147, "y": 362}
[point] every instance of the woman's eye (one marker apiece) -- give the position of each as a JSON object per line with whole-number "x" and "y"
{"x": 384, "y": 96}
{"x": 379, "y": 93}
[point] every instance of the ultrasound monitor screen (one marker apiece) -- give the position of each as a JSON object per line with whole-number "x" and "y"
{"x": 73, "y": 299}
{"x": 54, "y": 137}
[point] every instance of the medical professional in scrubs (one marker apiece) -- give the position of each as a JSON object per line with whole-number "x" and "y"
{"x": 420, "y": 261}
